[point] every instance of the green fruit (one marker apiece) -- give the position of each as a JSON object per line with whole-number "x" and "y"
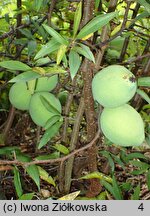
{"x": 117, "y": 43}
{"x": 112, "y": 55}
{"x": 39, "y": 113}
{"x": 46, "y": 83}
{"x": 20, "y": 96}
{"x": 122, "y": 125}
{"x": 113, "y": 86}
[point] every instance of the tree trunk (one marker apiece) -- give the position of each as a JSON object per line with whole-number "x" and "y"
{"x": 87, "y": 73}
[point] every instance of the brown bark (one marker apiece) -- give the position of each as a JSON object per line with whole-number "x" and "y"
{"x": 12, "y": 109}
{"x": 87, "y": 73}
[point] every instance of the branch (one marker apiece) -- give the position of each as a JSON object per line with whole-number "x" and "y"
{"x": 33, "y": 32}
{"x": 73, "y": 143}
{"x": 51, "y": 161}
{"x": 119, "y": 33}
{"x": 66, "y": 112}
{"x": 126, "y": 42}
{"x": 9, "y": 123}
{"x": 104, "y": 36}
{"x": 13, "y": 31}
{"x": 138, "y": 58}
{"x": 19, "y": 18}
{"x": 50, "y": 11}
{"x": 88, "y": 8}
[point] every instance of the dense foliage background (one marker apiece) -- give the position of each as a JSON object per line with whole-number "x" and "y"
{"x": 74, "y": 39}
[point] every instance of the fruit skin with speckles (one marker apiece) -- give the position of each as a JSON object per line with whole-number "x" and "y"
{"x": 46, "y": 83}
{"x": 122, "y": 125}
{"x": 20, "y": 96}
{"x": 113, "y": 86}
{"x": 38, "y": 112}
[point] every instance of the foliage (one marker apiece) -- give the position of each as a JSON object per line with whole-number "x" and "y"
{"x": 40, "y": 39}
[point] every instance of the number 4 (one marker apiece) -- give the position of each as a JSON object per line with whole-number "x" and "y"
{"x": 141, "y": 207}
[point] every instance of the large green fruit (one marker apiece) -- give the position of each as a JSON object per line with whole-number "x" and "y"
{"x": 113, "y": 86}
{"x": 20, "y": 96}
{"x": 46, "y": 83}
{"x": 39, "y": 113}
{"x": 122, "y": 125}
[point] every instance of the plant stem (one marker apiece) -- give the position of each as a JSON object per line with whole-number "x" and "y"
{"x": 73, "y": 142}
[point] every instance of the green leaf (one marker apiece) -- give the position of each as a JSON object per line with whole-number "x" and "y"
{"x": 17, "y": 182}
{"x": 49, "y": 106}
{"x": 39, "y": 70}
{"x": 118, "y": 160}
{"x": 40, "y": 30}
{"x": 98, "y": 175}
{"x": 27, "y": 196}
{"x": 116, "y": 189}
{"x": 135, "y": 155}
{"x": 145, "y": 4}
{"x": 31, "y": 47}
{"x": 33, "y": 172}
{"x": 56, "y": 69}
{"x": 22, "y": 157}
{"x": 60, "y": 54}
{"x": 14, "y": 65}
{"x": 123, "y": 156}
{"x": 65, "y": 61}
{"x": 21, "y": 42}
{"x": 52, "y": 121}
{"x": 110, "y": 160}
{"x": 37, "y": 4}
{"x": 9, "y": 150}
{"x": 77, "y": 19}
{"x": 43, "y": 61}
{"x": 144, "y": 81}
{"x": 7, "y": 18}
{"x": 48, "y": 48}
{"x": 97, "y": 2}
{"x": 54, "y": 155}
{"x": 126, "y": 186}
{"x": 143, "y": 95}
{"x": 148, "y": 179}
{"x": 145, "y": 107}
{"x": 139, "y": 164}
{"x": 116, "y": 44}
{"x": 102, "y": 196}
{"x": 139, "y": 17}
{"x": 108, "y": 186}
{"x": 139, "y": 172}
{"x": 136, "y": 194}
{"x": 27, "y": 33}
{"x": 85, "y": 51}
{"x": 74, "y": 63}
{"x": 49, "y": 134}
{"x": 60, "y": 39}
{"x": 61, "y": 148}
{"x": 95, "y": 24}
{"x": 25, "y": 76}
{"x": 113, "y": 189}
{"x": 45, "y": 176}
